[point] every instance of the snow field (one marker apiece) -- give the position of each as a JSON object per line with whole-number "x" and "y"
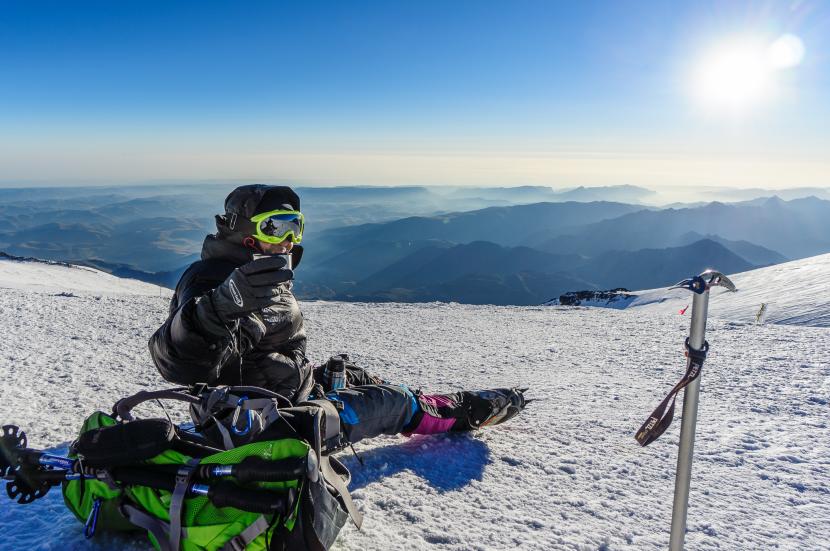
{"x": 795, "y": 293}
{"x": 565, "y": 474}
{"x": 61, "y": 278}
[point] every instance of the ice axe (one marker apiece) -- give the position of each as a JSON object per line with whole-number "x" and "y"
{"x": 661, "y": 417}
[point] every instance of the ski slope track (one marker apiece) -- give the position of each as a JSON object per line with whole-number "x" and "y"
{"x": 565, "y": 474}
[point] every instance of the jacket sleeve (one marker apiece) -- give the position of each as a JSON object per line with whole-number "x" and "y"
{"x": 284, "y": 372}
{"x": 278, "y": 361}
{"x": 182, "y": 351}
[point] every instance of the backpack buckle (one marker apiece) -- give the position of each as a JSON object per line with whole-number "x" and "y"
{"x": 236, "y": 543}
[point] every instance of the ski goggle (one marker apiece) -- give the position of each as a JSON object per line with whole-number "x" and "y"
{"x": 275, "y": 226}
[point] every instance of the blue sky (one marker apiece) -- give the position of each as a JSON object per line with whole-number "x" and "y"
{"x": 492, "y": 93}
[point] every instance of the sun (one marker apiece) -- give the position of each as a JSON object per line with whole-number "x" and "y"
{"x": 740, "y": 74}
{"x": 734, "y": 76}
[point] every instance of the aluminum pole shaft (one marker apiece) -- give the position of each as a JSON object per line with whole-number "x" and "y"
{"x": 697, "y": 334}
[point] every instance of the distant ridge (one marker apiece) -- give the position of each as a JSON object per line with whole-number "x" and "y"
{"x": 15, "y": 258}
{"x": 654, "y": 267}
{"x": 794, "y": 293}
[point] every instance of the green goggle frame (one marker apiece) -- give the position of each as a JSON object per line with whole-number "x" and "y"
{"x": 276, "y": 226}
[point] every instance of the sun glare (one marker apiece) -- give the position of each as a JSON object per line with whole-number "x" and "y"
{"x": 786, "y": 52}
{"x": 739, "y": 75}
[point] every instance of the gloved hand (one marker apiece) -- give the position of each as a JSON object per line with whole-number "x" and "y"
{"x": 251, "y": 287}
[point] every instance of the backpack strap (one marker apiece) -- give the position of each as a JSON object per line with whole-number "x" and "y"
{"x": 155, "y": 526}
{"x": 123, "y": 406}
{"x": 329, "y": 418}
{"x": 328, "y": 437}
{"x": 183, "y": 478}
{"x": 226, "y": 435}
{"x": 333, "y": 478}
{"x": 258, "y": 391}
{"x": 201, "y": 411}
{"x": 240, "y": 541}
{"x": 260, "y": 412}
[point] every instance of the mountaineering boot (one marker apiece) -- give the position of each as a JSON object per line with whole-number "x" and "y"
{"x": 492, "y": 407}
{"x": 466, "y": 410}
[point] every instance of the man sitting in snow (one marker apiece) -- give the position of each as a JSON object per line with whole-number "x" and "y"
{"x": 233, "y": 320}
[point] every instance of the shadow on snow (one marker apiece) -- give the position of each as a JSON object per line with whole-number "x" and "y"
{"x": 447, "y": 462}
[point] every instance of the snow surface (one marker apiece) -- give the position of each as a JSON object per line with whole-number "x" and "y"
{"x": 565, "y": 474}
{"x": 57, "y": 277}
{"x": 795, "y": 293}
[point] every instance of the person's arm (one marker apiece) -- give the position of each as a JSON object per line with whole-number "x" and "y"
{"x": 284, "y": 372}
{"x": 278, "y": 362}
{"x": 183, "y": 351}
{"x": 199, "y": 336}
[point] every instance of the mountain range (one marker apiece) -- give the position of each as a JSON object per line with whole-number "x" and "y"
{"x": 487, "y": 273}
{"x": 526, "y": 254}
{"x": 407, "y": 244}
{"x": 795, "y": 229}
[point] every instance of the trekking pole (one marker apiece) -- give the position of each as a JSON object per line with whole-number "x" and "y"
{"x": 660, "y": 419}
{"x": 31, "y": 473}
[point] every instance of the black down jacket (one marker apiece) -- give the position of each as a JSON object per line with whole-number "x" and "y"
{"x": 264, "y": 349}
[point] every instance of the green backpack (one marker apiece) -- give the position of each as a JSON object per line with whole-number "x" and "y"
{"x": 250, "y": 474}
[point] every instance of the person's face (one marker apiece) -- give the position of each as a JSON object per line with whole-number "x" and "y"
{"x": 277, "y": 248}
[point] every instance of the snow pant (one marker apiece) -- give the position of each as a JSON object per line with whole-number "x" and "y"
{"x": 371, "y": 410}
{"x": 370, "y": 406}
